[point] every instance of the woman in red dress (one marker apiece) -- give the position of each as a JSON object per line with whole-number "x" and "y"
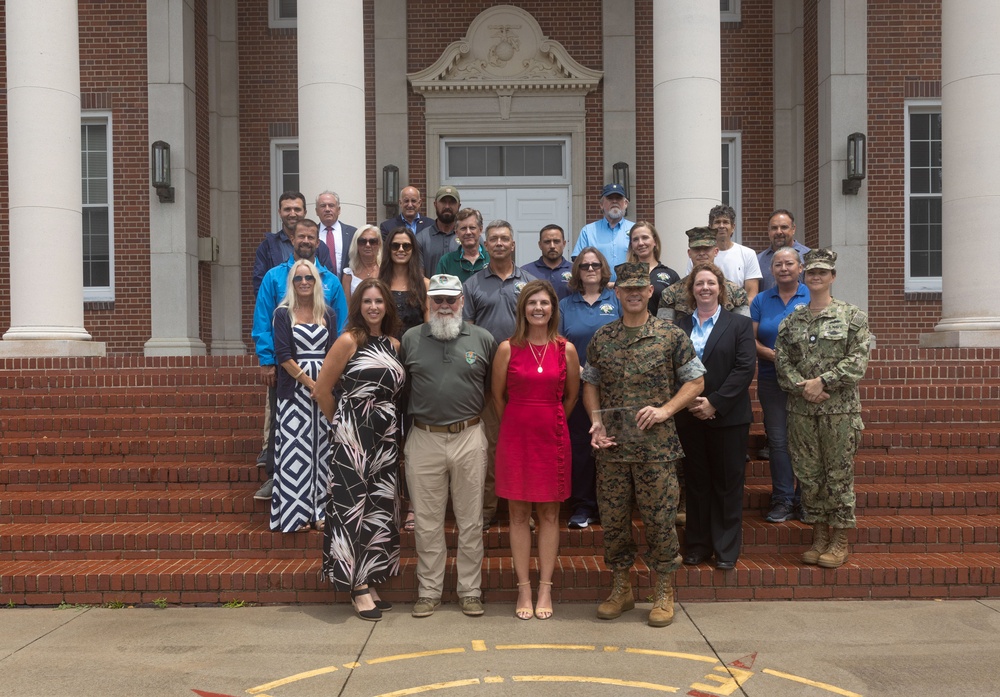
{"x": 536, "y": 380}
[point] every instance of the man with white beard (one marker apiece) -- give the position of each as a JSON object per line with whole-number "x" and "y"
{"x": 447, "y": 363}
{"x": 610, "y": 233}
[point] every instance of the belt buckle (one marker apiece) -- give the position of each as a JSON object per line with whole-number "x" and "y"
{"x": 456, "y": 427}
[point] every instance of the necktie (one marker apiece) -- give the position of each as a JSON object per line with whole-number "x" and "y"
{"x": 332, "y": 245}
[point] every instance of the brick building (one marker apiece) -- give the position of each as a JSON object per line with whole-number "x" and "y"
{"x": 527, "y": 109}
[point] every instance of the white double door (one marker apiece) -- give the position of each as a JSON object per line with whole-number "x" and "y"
{"x": 527, "y": 209}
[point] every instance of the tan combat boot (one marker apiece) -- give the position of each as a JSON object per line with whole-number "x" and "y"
{"x": 836, "y": 553}
{"x": 620, "y": 599}
{"x": 662, "y": 613}
{"x": 821, "y": 540}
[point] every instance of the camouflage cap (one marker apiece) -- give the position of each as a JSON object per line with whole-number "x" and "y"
{"x": 632, "y": 274}
{"x": 821, "y": 259}
{"x": 701, "y": 237}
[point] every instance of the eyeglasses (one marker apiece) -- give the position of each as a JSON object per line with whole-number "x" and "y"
{"x": 370, "y": 241}
{"x": 442, "y": 299}
{"x": 402, "y": 246}
{"x": 590, "y": 266}
{"x": 308, "y": 279}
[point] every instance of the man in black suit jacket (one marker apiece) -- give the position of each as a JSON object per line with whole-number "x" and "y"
{"x": 331, "y": 229}
{"x": 409, "y": 214}
{"x": 714, "y": 432}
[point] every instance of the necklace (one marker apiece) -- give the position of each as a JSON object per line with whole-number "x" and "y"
{"x": 538, "y": 358}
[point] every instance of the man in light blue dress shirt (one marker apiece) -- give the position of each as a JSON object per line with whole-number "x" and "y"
{"x": 610, "y": 233}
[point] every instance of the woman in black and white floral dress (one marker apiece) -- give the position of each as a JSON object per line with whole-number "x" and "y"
{"x": 361, "y": 545}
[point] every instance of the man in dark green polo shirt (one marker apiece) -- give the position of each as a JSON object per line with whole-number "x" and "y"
{"x": 471, "y": 256}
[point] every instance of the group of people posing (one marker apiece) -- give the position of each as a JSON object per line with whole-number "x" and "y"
{"x": 607, "y": 381}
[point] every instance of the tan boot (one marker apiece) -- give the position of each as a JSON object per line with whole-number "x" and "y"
{"x": 821, "y": 540}
{"x": 836, "y": 553}
{"x": 620, "y": 599}
{"x": 662, "y": 613}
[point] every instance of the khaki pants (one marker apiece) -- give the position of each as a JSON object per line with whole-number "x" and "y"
{"x": 438, "y": 464}
{"x": 491, "y": 426}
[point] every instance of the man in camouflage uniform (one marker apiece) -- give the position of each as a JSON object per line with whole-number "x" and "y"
{"x": 702, "y": 249}
{"x": 821, "y": 354}
{"x": 647, "y": 368}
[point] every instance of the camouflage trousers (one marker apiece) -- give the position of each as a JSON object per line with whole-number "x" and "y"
{"x": 822, "y": 450}
{"x": 652, "y": 487}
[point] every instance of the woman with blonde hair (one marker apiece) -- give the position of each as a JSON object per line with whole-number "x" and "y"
{"x": 304, "y": 330}
{"x": 364, "y": 255}
{"x": 644, "y": 246}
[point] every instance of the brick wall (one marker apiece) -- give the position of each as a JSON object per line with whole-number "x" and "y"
{"x": 904, "y": 61}
{"x": 808, "y": 218}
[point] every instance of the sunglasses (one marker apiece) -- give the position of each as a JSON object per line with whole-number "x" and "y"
{"x": 442, "y": 299}
{"x": 402, "y": 246}
{"x": 369, "y": 241}
{"x": 590, "y": 266}
{"x": 308, "y": 279}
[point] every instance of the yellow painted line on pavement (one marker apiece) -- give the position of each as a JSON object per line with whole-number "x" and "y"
{"x": 352, "y": 666}
{"x": 599, "y": 681}
{"x": 419, "y": 654}
{"x": 478, "y": 645}
{"x": 674, "y": 654}
{"x": 812, "y": 683}
{"x": 492, "y": 679}
{"x": 610, "y": 649}
{"x": 567, "y": 647}
{"x": 292, "y": 678}
{"x": 430, "y": 688}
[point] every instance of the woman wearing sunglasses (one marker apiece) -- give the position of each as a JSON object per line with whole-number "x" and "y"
{"x": 304, "y": 330}
{"x": 589, "y": 306}
{"x": 365, "y": 256}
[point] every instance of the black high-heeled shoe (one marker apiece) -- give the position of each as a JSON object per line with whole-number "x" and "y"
{"x": 373, "y": 615}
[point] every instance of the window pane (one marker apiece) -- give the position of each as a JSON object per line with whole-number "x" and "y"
{"x": 920, "y": 127}
{"x": 935, "y": 125}
{"x": 288, "y": 9}
{"x": 477, "y": 161}
{"x": 515, "y": 165}
{"x": 494, "y": 161}
{"x": 553, "y": 166}
{"x": 533, "y": 161}
{"x": 96, "y": 248}
{"x": 920, "y": 154}
{"x": 457, "y": 165}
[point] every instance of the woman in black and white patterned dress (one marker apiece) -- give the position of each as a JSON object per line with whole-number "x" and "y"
{"x": 361, "y": 544}
{"x": 304, "y": 330}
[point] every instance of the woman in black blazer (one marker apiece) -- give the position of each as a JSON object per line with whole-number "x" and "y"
{"x": 715, "y": 428}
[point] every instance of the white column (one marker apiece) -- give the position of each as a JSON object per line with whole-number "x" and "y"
{"x": 619, "y": 92}
{"x": 43, "y": 178}
{"x": 970, "y": 100}
{"x": 331, "y": 63}
{"x": 173, "y": 227}
{"x": 392, "y": 144}
{"x": 224, "y": 159}
{"x": 687, "y": 122}
{"x": 789, "y": 115}
{"x": 843, "y": 109}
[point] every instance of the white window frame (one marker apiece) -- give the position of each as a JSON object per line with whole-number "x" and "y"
{"x": 506, "y": 182}
{"x": 275, "y": 20}
{"x": 915, "y": 284}
{"x": 278, "y": 146}
{"x": 103, "y": 293}
{"x": 732, "y": 14}
{"x": 734, "y": 141}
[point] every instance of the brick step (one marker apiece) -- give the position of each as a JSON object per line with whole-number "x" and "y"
{"x": 78, "y": 426}
{"x": 877, "y": 468}
{"x": 581, "y": 578}
{"x": 952, "y": 498}
{"x": 231, "y": 447}
{"x": 92, "y": 506}
{"x": 166, "y": 397}
{"x": 128, "y": 474}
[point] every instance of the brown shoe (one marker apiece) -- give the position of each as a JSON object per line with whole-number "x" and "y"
{"x": 836, "y": 553}
{"x": 662, "y": 613}
{"x": 620, "y": 599}
{"x": 821, "y": 540}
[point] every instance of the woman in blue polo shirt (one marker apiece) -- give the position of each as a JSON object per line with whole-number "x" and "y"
{"x": 589, "y": 306}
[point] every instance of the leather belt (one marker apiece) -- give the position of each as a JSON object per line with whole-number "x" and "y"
{"x": 456, "y": 427}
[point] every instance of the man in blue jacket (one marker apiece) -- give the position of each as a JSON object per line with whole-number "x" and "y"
{"x": 272, "y": 291}
{"x": 277, "y": 246}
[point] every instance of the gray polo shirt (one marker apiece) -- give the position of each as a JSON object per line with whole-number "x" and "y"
{"x": 492, "y": 303}
{"x": 447, "y": 380}
{"x": 434, "y": 244}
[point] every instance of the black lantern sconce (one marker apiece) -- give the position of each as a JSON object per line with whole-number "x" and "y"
{"x": 855, "y": 163}
{"x": 390, "y": 189}
{"x": 161, "y": 171}
{"x": 619, "y": 175}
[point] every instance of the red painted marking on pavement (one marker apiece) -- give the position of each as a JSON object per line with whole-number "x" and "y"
{"x": 699, "y": 693}
{"x": 202, "y": 693}
{"x": 744, "y": 663}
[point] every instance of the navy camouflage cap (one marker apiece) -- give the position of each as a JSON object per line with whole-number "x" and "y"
{"x": 701, "y": 237}
{"x": 632, "y": 274}
{"x": 821, "y": 259}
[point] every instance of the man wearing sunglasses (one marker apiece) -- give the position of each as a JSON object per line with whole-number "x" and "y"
{"x": 305, "y": 242}
{"x": 447, "y": 363}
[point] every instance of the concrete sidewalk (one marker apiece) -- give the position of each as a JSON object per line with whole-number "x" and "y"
{"x": 776, "y": 649}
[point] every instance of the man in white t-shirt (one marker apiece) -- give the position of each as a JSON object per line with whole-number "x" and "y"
{"x": 738, "y": 263}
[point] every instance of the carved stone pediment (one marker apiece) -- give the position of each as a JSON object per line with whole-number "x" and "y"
{"x": 505, "y": 50}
